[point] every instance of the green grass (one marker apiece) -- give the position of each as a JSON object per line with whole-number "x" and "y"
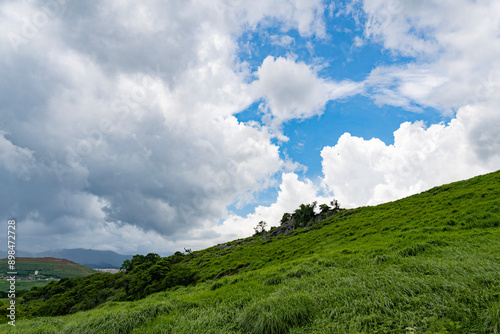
{"x": 274, "y": 314}
{"x": 46, "y": 267}
{"x": 429, "y": 263}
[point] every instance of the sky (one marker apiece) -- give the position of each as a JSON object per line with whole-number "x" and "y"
{"x": 154, "y": 126}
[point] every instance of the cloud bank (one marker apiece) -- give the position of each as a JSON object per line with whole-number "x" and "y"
{"x": 118, "y": 127}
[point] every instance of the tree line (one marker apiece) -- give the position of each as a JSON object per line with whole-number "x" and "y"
{"x": 139, "y": 277}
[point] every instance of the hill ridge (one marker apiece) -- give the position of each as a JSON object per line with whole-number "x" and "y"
{"x": 46, "y": 267}
{"x": 98, "y": 259}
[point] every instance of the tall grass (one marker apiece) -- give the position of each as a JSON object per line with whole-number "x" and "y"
{"x": 278, "y": 313}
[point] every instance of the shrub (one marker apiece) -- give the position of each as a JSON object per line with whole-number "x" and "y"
{"x": 260, "y": 229}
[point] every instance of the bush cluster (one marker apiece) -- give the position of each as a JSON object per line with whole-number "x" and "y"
{"x": 139, "y": 277}
{"x": 305, "y": 214}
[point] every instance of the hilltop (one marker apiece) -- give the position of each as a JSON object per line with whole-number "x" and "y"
{"x": 97, "y": 259}
{"x": 429, "y": 263}
{"x": 46, "y": 267}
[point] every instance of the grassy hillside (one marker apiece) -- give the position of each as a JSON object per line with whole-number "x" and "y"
{"x": 46, "y": 267}
{"x": 429, "y": 263}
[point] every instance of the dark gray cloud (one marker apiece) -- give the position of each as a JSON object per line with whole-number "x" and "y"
{"x": 116, "y": 123}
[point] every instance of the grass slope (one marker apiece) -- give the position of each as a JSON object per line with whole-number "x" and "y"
{"x": 46, "y": 267}
{"x": 429, "y": 263}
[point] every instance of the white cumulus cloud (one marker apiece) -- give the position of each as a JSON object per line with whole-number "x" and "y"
{"x": 454, "y": 50}
{"x": 293, "y": 90}
{"x": 367, "y": 172}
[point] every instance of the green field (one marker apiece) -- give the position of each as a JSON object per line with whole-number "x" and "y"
{"x": 429, "y": 263}
{"x": 21, "y": 285}
{"x": 47, "y": 267}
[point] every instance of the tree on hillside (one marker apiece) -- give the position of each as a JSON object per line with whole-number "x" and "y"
{"x": 260, "y": 228}
{"x": 304, "y": 214}
{"x": 138, "y": 259}
{"x": 286, "y": 217}
{"x": 335, "y": 205}
{"x": 324, "y": 209}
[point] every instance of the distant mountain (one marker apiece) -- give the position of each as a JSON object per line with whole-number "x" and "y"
{"x": 46, "y": 267}
{"x": 97, "y": 259}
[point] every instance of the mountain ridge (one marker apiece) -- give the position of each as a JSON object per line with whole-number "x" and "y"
{"x": 47, "y": 267}
{"x": 96, "y": 259}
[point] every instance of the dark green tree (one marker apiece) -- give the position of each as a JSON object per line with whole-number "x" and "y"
{"x": 304, "y": 214}
{"x": 286, "y": 217}
{"x": 260, "y": 228}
